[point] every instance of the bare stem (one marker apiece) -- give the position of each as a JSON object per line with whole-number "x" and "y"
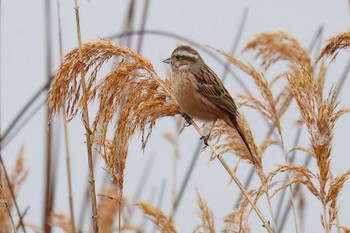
{"x": 290, "y": 188}
{"x": 235, "y": 179}
{"x": 68, "y": 170}
{"x": 270, "y": 207}
{"x": 87, "y": 125}
{"x": 325, "y": 218}
{"x": 66, "y": 141}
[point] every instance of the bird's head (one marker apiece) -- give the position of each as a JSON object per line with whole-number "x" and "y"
{"x": 184, "y": 58}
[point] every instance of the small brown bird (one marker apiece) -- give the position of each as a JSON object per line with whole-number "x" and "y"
{"x": 199, "y": 91}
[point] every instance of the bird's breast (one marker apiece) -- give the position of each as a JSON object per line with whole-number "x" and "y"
{"x": 190, "y": 100}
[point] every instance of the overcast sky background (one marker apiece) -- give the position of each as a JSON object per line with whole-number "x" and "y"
{"x": 214, "y": 23}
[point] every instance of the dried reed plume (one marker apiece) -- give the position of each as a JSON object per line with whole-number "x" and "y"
{"x": 132, "y": 90}
{"x": 278, "y": 46}
{"x": 18, "y": 175}
{"x": 267, "y": 109}
{"x": 162, "y": 223}
{"x": 108, "y": 208}
{"x": 236, "y": 222}
{"x": 228, "y": 140}
{"x": 335, "y": 44}
{"x": 319, "y": 116}
{"x": 61, "y": 221}
{"x": 205, "y": 215}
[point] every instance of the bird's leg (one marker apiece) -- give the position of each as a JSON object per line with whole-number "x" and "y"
{"x": 187, "y": 119}
{"x": 206, "y": 137}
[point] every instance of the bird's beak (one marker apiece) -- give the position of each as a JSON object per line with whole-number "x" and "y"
{"x": 167, "y": 61}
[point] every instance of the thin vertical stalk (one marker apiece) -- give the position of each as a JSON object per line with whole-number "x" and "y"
{"x": 325, "y": 217}
{"x": 143, "y": 24}
{"x": 87, "y": 125}
{"x": 65, "y": 123}
{"x": 68, "y": 170}
{"x": 49, "y": 172}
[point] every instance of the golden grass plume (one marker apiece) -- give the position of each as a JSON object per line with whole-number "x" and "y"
{"x": 267, "y": 109}
{"x": 61, "y": 221}
{"x": 271, "y": 47}
{"x": 132, "y": 91}
{"x": 205, "y": 215}
{"x": 17, "y": 177}
{"x": 162, "y": 222}
{"x": 278, "y": 46}
{"x": 107, "y": 209}
{"x": 319, "y": 114}
{"x": 236, "y": 222}
{"x": 227, "y": 139}
{"x": 335, "y": 44}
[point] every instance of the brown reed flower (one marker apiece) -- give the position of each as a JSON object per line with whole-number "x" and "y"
{"x": 162, "y": 223}
{"x": 236, "y": 222}
{"x": 107, "y": 209}
{"x": 227, "y": 139}
{"x": 335, "y": 44}
{"x": 268, "y": 108}
{"x": 18, "y": 175}
{"x": 205, "y": 215}
{"x": 278, "y": 46}
{"x": 61, "y": 221}
{"x": 132, "y": 91}
{"x": 319, "y": 115}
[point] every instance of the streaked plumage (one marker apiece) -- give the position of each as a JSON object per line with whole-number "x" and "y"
{"x": 199, "y": 91}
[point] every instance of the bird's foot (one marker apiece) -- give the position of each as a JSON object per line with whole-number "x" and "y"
{"x": 205, "y": 140}
{"x": 187, "y": 119}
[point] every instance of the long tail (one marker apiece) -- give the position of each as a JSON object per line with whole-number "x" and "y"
{"x": 234, "y": 124}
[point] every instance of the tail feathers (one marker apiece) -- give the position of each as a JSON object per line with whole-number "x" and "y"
{"x": 234, "y": 124}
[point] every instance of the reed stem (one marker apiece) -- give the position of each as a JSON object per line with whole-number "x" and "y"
{"x": 87, "y": 125}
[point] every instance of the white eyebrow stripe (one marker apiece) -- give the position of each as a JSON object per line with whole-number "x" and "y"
{"x": 187, "y": 54}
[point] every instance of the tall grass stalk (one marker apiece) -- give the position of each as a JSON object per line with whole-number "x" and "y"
{"x": 87, "y": 125}
{"x": 65, "y": 130}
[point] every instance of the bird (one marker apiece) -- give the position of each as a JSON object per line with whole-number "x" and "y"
{"x": 200, "y": 92}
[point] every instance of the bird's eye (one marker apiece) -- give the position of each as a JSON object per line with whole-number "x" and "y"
{"x": 177, "y": 57}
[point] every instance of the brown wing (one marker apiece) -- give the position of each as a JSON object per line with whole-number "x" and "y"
{"x": 210, "y": 86}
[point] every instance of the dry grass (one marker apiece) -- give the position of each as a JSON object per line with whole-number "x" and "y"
{"x": 276, "y": 47}
{"x": 266, "y": 108}
{"x": 61, "y": 221}
{"x": 107, "y": 209}
{"x": 162, "y": 223}
{"x": 206, "y": 216}
{"x": 132, "y": 97}
{"x": 319, "y": 116}
{"x": 236, "y": 222}
{"x": 228, "y": 140}
{"x": 132, "y": 91}
{"x": 18, "y": 176}
{"x": 335, "y": 44}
